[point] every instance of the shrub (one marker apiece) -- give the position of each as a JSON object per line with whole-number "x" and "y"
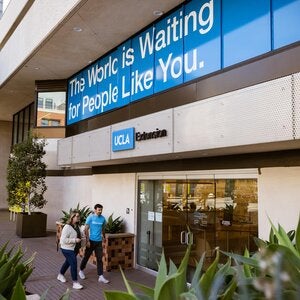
{"x": 26, "y": 173}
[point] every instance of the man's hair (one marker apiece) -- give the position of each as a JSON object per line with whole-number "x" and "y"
{"x": 98, "y": 206}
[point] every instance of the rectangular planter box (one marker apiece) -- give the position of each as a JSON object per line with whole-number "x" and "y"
{"x": 33, "y": 225}
{"x": 118, "y": 250}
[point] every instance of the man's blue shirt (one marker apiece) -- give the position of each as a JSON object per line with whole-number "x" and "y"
{"x": 96, "y": 224}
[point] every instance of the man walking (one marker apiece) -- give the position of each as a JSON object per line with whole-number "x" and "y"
{"x": 94, "y": 231}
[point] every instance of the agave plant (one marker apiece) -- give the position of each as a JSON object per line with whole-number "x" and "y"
{"x": 114, "y": 225}
{"x": 13, "y": 272}
{"x": 171, "y": 283}
{"x": 84, "y": 213}
{"x": 273, "y": 272}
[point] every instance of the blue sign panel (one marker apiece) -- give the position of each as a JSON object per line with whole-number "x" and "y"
{"x": 169, "y": 51}
{"x": 202, "y": 38}
{"x": 123, "y": 139}
{"x": 142, "y": 71}
{"x": 246, "y": 28}
{"x": 286, "y": 18}
{"x": 190, "y": 42}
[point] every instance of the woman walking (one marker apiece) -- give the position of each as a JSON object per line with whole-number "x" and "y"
{"x": 70, "y": 236}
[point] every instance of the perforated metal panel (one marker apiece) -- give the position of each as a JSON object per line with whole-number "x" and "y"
{"x": 259, "y": 114}
{"x": 296, "y": 103}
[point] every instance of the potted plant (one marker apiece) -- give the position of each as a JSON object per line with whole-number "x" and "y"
{"x": 118, "y": 247}
{"x": 26, "y": 173}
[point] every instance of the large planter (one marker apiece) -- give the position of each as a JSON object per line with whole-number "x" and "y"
{"x": 33, "y": 225}
{"x": 118, "y": 250}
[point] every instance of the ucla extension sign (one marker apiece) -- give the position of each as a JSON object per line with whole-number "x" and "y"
{"x": 124, "y": 139}
{"x": 190, "y": 42}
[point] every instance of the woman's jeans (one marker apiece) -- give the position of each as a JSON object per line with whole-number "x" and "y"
{"x": 71, "y": 261}
{"x": 97, "y": 247}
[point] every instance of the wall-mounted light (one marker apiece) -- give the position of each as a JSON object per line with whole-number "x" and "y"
{"x": 77, "y": 29}
{"x": 158, "y": 13}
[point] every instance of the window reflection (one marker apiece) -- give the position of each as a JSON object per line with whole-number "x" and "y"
{"x": 51, "y": 109}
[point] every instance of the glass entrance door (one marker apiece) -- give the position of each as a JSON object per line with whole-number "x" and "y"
{"x": 218, "y": 212}
{"x": 183, "y": 223}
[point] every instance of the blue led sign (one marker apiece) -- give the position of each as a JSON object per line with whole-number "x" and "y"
{"x": 189, "y": 43}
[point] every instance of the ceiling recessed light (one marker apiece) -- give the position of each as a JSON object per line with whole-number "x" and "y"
{"x": 158, "y": 13}
{"x": 77, "y": 29}
{"x": 36, "y": 68}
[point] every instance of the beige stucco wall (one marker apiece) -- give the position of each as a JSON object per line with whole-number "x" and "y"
{"x": 115, "y": 192}
{"x": 278, "y": 198}
{"x": 5, "y": 142}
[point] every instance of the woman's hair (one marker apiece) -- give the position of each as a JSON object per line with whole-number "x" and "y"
{"x": 72, "y": 215}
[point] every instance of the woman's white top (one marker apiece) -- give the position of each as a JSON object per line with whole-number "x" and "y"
{"x": 68, "y": 238}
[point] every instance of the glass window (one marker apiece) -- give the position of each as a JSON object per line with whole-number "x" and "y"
{"x": 21, "y": 126}
{"x": 49, "y": 104}
{"x": 23, "y": 122}
{"x": 40, "y": 102}
{"x": 51, "y": 109}
{"x": 55, "y": 122}
{"x": 15, "y": 129}
{"x": 44, "y": 122}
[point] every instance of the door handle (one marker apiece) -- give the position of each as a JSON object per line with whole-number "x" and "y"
{"x": 183, "y": 237}
{"x": 189, "y": 238}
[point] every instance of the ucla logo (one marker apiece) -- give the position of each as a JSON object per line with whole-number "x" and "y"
{"x": 123, "y": 139}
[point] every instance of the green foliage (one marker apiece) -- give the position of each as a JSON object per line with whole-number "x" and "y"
{"x": 26, "y": 173}
{"x": 273, "y": 272}
{"x": 84, "y": 213}
{"x": 171, "y": 283}
{"x": 114, "y": 225}
{"x": 13, "y": 272}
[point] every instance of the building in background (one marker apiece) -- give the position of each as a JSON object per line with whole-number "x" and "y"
{"x": 186, "y": 113}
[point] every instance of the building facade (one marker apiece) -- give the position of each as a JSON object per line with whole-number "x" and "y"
{"x": 190, "y": 119}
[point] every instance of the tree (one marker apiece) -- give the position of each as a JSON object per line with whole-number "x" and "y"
{"x": 26, "y": 173}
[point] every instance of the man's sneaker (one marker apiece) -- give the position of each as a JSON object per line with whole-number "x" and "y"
{"x": 103, "y": 279}
{"x": 77, "y": 286}
{"x": 81, "y": 274}
{"x": 61, "y": 278}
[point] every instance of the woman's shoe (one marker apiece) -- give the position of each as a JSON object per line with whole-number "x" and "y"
{"x": 77, "y": 286}
{"x": 61, "y": 278}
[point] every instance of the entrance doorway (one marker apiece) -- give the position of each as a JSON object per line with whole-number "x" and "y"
{"x": 206, "y": 212}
